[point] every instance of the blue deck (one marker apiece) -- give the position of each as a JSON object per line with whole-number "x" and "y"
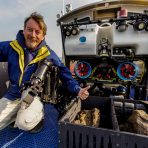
{"x": 47, "y": 138}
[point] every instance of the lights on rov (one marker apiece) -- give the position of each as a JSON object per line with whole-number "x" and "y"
{"x": 139, "y": 25}
{"x": 70, "y": 30}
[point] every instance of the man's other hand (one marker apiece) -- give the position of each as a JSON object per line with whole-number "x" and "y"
{"x": 83, "y": 93}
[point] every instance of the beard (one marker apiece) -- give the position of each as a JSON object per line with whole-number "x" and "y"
{"x": 32, "y": 43}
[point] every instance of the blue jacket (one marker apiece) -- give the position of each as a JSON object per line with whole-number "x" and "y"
{"x": 22, "y": 63}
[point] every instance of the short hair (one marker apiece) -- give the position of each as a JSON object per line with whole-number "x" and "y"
{"x": 39, "y": 19}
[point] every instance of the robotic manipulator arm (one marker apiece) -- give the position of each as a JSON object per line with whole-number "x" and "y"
{"x": 43, "y": 83}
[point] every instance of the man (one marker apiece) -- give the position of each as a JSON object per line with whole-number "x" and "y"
{"x": 23, "y": 56}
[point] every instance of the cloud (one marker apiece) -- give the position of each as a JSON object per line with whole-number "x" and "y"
{"x": 30, "y": 4}
{"x": 15, "y": 8}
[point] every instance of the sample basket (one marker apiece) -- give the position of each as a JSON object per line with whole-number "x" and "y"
{"x": 108, "y": 135}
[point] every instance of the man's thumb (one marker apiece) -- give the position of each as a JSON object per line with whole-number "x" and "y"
{"x": 86, "y": 88}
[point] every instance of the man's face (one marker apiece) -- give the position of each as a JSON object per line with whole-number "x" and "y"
{"x": 33, "y": 34}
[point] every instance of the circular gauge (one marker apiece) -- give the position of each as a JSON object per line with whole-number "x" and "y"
{"x": 104, "y": 71}
{"x": 127, "y": 71}
{"x": 83, "y": 69}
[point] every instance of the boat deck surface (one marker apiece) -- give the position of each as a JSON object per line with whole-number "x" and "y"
{"x": 47, "y": 138}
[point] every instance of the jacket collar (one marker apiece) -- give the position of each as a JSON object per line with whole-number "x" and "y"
{"x": 19, "y": 46}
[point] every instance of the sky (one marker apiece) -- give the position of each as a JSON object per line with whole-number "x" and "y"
{"x": 13, "y": 13}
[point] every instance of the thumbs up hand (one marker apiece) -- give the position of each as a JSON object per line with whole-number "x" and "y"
{"x": 83, "y": 93}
